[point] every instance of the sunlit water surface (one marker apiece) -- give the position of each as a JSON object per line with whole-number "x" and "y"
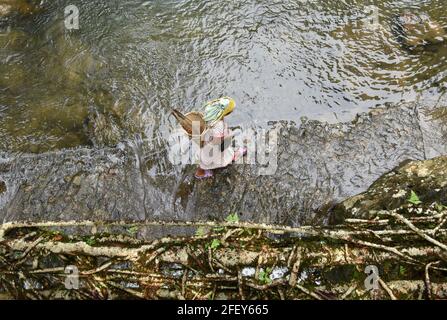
{"x": 135, "y": 60}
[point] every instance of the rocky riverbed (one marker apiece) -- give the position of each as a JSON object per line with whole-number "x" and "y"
{"x": 120, "y": 166}
{"x": 318, "y": 165}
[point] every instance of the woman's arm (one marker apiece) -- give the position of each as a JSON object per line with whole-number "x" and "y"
{"x": 221, "y": 132}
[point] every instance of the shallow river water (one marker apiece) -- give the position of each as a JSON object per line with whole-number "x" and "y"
{"x": 133, "y": 61}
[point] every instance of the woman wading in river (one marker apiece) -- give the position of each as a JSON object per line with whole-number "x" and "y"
{"x": 215, "y": 137}
{"x": 216, "y": 149}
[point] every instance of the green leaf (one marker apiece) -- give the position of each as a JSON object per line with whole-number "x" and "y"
{"x": 200, "y": 232}
{"x": 440, "y": 207}
{"x": 264, "y": 276}
{"x": 218, "y": 229}
{"x": 414, "y": 199}
{"x": 233, "y": 218}
{"x": 133, "y": 230}
{"x": 91, "y": 241}
{"x": 402, "y": 270}
{"x": 215, "y": 244}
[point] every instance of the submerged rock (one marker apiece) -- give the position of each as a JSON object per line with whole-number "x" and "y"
{"x": 102, "y": 129}
{"x": 425, "y": 180}
{"x": 418, "y": 30}
{"x": 106, "y": 124}
{"x": 12, "y": 77}
{"x": 12, "y": 40}
{"x": 10, "y": 7}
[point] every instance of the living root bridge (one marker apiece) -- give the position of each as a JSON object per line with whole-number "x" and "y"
{"x": 228, "y": 260}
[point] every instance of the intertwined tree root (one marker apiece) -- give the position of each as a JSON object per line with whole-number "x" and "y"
{"x": 228, "y": 260}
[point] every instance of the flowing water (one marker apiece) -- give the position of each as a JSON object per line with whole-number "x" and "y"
{"x": 132, "y": 61}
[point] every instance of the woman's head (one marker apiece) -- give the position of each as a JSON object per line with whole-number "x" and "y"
{"x": 217, "y": 109}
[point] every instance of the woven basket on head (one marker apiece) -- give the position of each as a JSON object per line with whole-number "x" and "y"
{"x": 188, "y": 120}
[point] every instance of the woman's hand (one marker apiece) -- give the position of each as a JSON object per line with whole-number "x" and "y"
{"x": 228, "y": 135}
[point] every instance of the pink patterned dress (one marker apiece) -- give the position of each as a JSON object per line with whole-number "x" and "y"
{"x": 211, "y": 154}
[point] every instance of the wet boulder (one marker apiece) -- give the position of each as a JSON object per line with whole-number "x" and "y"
{"x": 423, "y": 183}
{"x": 416, "y": 31}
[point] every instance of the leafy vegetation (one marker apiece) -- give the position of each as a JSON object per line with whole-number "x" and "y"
{"x": 133, "y": 230}
{"x": 233, "y": 218}
{"x": 215, "y": 244}
{"x": 91, "y": 241}
{"x": 264, "y": 276}
{"x": 414, "y": 198}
